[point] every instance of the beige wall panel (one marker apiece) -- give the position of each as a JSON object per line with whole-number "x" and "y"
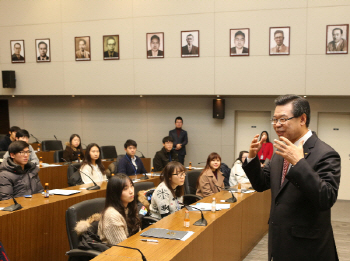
{"x": 227, "y": 124}
{"x": 318, "y": 19}
{"x": 161, "y": 7}
{"x": 200, "y": 153}
{"x": 327, "y": 75}
{"x": 259, "y": 23}
{"x": 224, "y": 5}
{"x": 99, "y": 77}
{"x": 36, "y": 79}
{"x": 172, "y": 27}
{"x": 327, "y": 3}
{"x": 227, "y": 155}
{"x": 16, "y": 113}
{"x": 19, "y": 12}
{"x": 181, "y": 76}
{"x": 85, "y": 10}
{"x": 259, "y": 76}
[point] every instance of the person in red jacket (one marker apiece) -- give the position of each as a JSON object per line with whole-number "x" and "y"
{"x": 266, "y": 148}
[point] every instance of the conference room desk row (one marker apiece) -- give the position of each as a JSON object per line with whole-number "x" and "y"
{"x": 230, "y": 235}
{"x": 38, "y": 230}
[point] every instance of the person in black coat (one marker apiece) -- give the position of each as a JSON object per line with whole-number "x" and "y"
{"x": 165, "y": 155}
{"x": 130, "y": 164}
{"x": 18, "y": 177}
{"x": 6, "y": 141}
{"x": 303, "y": 176}
{"x": 180, "y": 139}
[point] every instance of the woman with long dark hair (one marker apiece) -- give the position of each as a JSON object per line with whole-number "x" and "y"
{"x": 92, "y": 165}
{"x": 237, "y": 174}
{"x": 266, "y": 150}
{"x": 167, "y": 197}
{"x": 211, "y": 177}
{"x": 73, "y": 149}
{"x": 119, "y": 217}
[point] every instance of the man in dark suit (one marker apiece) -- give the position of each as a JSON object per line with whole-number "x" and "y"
{"x": 130, "y": 164}
{"x": 303, "y": 176}
{"x": 111, "y": 48}
{"x": 190, "y": 48}
{"x": 239, "y": 44}
{"x": 180, "y": 139}
{"x": 155, "y": 44}
{"x": 42, "y": 47}
{"x": 16, "y": 56}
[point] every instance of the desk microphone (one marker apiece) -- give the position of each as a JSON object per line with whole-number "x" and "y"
{"x": 201, "y": 162}
{"x": 200, "y": 222}
{"x": 144, "y": 177}
{"x": 37, "y": 141}
{"x": 13, "y": 207}
{"x": 230, "y": 200}
{"x": 95, "y": 187}
{"x": 55, "y": 137}
{"x": 134, "y": 248}
{"x": 143, "y": 156}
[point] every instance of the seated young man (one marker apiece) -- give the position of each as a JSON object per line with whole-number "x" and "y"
{"x": 6, "y": 141}
{"x": 131, "y": 164}
{"x": 18, "y": 176}
{"x": 165, "y": 155}
{"x": 24, "y": 135}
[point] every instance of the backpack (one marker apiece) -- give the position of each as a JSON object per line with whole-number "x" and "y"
{"x": 226, "y": 171}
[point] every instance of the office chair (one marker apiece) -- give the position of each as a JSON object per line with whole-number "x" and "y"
{"x": 75, "y": 213}
{"x": 108, "y": 152}
{"x": 73, "y": 174}
{"x": 57, "y": 156}
{"x": 2, "y": 136}
{"x": 2, "y": 153}
{"x": 47, "y": 145}
{"x": 190, "y": 187}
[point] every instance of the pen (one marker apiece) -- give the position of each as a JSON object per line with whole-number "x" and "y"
{"x": 150, "y": 240}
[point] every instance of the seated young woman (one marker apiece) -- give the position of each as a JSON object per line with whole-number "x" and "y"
{"x": 92, "y": 165}
{"x": 119, "y": 218}
{"x": 167, "y": 197}
{"x": 73, "y": 149}
{"x": 211, "y": 177}
{"x": 237, "y": 174}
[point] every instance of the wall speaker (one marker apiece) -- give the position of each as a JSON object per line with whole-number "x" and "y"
{"x": 219, "y": 108}
{"x": 8, "y": 79}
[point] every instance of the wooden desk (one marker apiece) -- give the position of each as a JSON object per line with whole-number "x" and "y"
{"x": 38, "y": 231}
{"x": 230, "y": 234}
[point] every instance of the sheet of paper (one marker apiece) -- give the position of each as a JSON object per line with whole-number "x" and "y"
{"x": 207, "y": 206}
{"x": 189, "y": 233}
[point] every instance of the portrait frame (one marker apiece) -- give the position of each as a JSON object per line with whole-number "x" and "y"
{"x": 285, "y": 42}
{"x": 105, "y": 38}
{"x": 161, "y": 50}
{"x": 48, "y": 50}
{"x": 245, "y": 52}
{"x": 330, "y": 40}
{"x": 87, "y": 48}
{"x": 22, "y": 52}
{"x": 184, "y": 44}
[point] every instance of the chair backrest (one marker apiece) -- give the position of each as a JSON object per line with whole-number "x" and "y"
{"x": 70, "y": 171}
{"x": 58, "y": 155}
{"x": 142, "y": 186}
{"x": 191, "y": 181}
{"x": 108, "y": 152}
{"x": 79, "y": 211}
{"x": 2, "y": 153}
{"x": 47, "y": 145}
{"x": 2, "y": 136}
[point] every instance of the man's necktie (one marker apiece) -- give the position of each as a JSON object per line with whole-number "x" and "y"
{"x": 285, "y": 169}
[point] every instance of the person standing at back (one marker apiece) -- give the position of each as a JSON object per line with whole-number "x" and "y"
{"x": 180, "y": 139}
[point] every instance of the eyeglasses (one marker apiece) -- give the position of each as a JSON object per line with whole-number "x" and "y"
{"x": 281, "y": 120}
{"x": 22, "y": 153}
{"x": 180, "y": 175}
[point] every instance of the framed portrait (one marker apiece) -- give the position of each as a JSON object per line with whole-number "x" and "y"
{"x": 42, "y": 47}
{"x": 337, "y": 39}
{"x": 155, "y": 45}
{"x": 17, "y": 51}
{"x": 111, "y": 47}
{"x": 82, "y": 48}
{"x": 239, "y": 42}
{"x": 190, "y": 44}
{"x": 279, "y": 41}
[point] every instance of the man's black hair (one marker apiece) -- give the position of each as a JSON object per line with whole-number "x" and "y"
{"x": 14, "y": 128}
{"x": 17, "y": 146}
{"x": 168, "y": 138}
{"x": 179, "y": 118}
{"x": 22, "y": 133}
{"x": 300, "y": 105}
{"x": 130, "y": 143}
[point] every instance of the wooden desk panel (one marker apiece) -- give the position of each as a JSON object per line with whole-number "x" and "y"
{"x": 222, "y": 239}
{"x": 38, "y": 231}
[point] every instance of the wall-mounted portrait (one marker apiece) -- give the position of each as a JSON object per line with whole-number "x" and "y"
{"x": 42, "y": 47}
{"x": 82, "y": 48}
{"x": 155, "y": 45}
{"x": 280, "y": 40}
{"x": 17, "y": 51}
{"x": 239, "y": 42}
{"x": 337, "y": 39}
{"x": 190, "y": 43}
{"x": 111, "y": 47}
